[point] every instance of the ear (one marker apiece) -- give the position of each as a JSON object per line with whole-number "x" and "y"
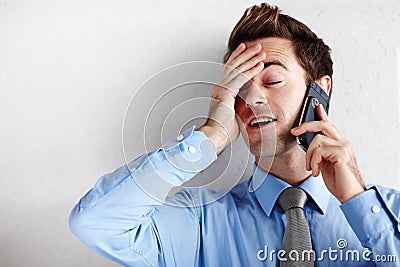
{"x": 325, "y": 82}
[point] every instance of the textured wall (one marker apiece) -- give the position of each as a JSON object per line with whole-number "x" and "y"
{"x": 68, "y": 70}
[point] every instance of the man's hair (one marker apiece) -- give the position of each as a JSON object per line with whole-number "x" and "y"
{"x": 268, "y": 21}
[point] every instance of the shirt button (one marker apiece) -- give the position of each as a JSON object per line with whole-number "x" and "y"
{"x": 192, "y": 149}
{"x": 375, "y": 209}
{"x": 180, "y": 137}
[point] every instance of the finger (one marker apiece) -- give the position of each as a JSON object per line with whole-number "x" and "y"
{"x": 321, "y": 112}
{"x": 325, "y": 127}
{"x": 250, "y": 52}
{"x": 320, "y": 155}
{"x": 237, "y": 52}
{"x": 243, "y": 70}
{"x": 319, "y": 141}
{"x": 238, "y": 81}
{"x": 252, "y": 62}
{"x": 315, "y": 161}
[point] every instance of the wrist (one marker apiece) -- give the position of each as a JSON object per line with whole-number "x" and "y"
{"x": 224, "y": 94}
{"x": 357, "y": 191}
{"x": 218, "y": 139}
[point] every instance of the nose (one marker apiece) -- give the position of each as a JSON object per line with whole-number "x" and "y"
{"x": 254, "y": 95}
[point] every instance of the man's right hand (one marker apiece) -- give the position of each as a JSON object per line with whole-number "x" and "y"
{"x": 243, "y": 64}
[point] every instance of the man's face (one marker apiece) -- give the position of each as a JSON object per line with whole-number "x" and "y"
{"x": 274, "y": 94}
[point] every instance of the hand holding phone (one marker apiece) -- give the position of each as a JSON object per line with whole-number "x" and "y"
{"x": 314, "y": 96}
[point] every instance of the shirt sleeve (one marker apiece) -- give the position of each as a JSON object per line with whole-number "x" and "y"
{"x": 374, "y": 217}
{"x": 121, "y": 216}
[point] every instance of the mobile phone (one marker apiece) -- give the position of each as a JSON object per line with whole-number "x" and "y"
{"x": 314, "y": 96}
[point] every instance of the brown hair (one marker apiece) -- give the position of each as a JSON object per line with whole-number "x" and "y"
{"x": 268, "y": 21}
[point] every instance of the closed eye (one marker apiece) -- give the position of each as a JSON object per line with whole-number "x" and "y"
{"x": 273, "y": 83}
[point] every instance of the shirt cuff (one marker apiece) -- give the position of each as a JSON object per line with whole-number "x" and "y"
{"x": 181, "y": 158}
{"x": 191, "y": 151}
{"x": 367, "y": 216}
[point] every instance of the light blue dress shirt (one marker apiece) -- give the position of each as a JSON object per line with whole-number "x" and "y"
{"x": 121, "y": 221}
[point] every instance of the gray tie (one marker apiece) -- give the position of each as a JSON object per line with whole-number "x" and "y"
{"x": 296, "y": 240}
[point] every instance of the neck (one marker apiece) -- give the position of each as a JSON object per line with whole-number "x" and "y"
{"x": 289, "y": 166}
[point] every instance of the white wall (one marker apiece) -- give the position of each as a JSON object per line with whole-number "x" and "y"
{"x": 68, "y": 70}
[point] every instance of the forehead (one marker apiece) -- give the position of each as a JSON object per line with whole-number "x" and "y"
{"x": 277, "y": 48}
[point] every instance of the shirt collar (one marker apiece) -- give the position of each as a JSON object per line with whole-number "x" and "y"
{"x": 267, "y": 189}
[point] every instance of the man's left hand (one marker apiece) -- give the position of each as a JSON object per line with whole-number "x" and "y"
{"x": 332, "y": 155}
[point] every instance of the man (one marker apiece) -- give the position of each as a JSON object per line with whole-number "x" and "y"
{"x": 270, "y": 61}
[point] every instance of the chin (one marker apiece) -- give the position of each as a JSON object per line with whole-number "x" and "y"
{"x": 270, "y": 144}
{"x": 268, "y": 150}
{"x": 273, "y": 149}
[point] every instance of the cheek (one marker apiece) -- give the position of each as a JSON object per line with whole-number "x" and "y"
{"x": 290, "y": 102}
{"x": 296, "y": 105}
{"x": 240, "y": 107}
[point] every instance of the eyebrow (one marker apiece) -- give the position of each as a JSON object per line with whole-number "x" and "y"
{"x": 274, "y": 63}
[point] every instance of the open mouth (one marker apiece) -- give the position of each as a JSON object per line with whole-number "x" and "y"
{"x": 261, "y": 121}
